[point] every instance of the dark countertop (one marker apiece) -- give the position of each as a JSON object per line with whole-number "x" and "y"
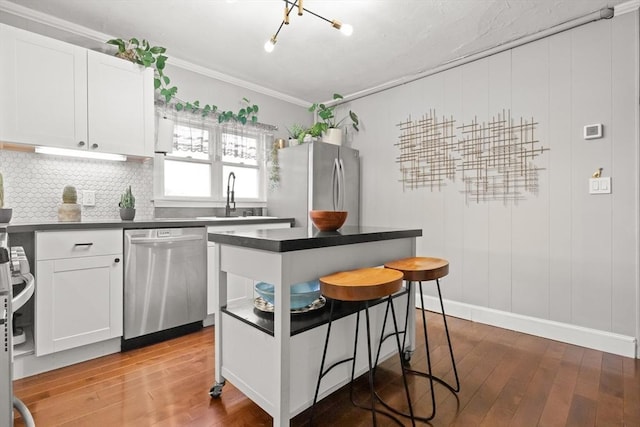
{"x": 295, "y": 239}
{"x": 149, "y": 223}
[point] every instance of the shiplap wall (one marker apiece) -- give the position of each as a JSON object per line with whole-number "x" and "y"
{"x": 562, "y": 254}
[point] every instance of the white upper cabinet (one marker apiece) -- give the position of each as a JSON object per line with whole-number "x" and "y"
{"x": 44, "y": 90}
{"x": 121, "y": 111}
{"x": 61, "y": 95}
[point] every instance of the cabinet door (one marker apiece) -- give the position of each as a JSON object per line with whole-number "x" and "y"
{"x": 78, "y": 302}
{"x": 44, "y": 90}
{"x": 121, "y": 111}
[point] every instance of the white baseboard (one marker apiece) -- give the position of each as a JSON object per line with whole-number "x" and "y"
{"x": 208, "y": 321}
{"x": 609, "y": 342}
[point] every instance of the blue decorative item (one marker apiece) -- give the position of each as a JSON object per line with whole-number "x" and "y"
{"x": 302, "y": 294}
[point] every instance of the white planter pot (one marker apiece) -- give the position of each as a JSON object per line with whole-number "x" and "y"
{"x": 333, "y": 136}
{"x": 293, "y": 142}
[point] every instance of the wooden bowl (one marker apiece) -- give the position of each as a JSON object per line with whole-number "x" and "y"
{"x": 328, "y": 220}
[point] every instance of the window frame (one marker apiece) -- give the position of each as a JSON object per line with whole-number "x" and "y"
{"x": 217, "y": 181}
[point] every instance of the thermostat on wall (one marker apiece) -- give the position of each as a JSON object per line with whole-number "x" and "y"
{"x": 593, "y": 131}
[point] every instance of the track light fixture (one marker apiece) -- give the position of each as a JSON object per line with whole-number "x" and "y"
{"x": 289, "y": 5}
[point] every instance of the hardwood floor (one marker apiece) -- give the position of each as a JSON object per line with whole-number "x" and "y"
{"x": 508, "y": 378}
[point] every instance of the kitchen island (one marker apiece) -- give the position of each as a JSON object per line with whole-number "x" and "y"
{"x": 274, "y": 358}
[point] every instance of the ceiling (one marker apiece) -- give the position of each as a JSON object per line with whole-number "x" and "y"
{"x": 392, "y": 39}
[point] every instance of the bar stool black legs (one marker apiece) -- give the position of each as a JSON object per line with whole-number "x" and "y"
{"x": 419, "y": 269}
{"x": 371, "y": 366}
{"x": 446, "y": 329}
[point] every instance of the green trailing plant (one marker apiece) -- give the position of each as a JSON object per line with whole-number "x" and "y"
{"x": 127, "y": 200}
{"x": 1, "y": 191}
{"x": 274, "y": 169}
{"x": 328, "y": 118}
{"x": 142, "y": 53}
{"x": 69, "y": 194}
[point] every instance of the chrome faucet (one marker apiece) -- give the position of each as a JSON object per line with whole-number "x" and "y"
{"x": 230, "y": 191}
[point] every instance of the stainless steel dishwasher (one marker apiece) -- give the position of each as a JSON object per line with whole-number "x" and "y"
{"x": 165, "y": 284}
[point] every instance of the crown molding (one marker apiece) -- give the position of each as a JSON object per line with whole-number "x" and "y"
{"x": 626, "y": 7}
{"x": 79, "y": 30}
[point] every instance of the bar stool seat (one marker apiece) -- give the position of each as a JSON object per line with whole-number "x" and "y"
{"x": 424, "y": 269}
{"x": 362, "y": 286}
{"x": 420, "y": 269}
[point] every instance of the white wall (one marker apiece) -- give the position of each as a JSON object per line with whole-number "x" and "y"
{"x": 559, "y": 255}
{"x": 193, "y": 86}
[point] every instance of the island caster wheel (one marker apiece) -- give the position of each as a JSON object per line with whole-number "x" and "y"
{"x": 216, "y": 390}
{"x": 406, "y": 356}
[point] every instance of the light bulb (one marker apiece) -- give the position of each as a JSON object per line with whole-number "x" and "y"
{"x": 270, "y": 44}
{"x": 346, "y": 29}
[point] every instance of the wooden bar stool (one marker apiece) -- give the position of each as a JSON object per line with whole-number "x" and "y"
{"x": 423, "y": 269}
{"x": 361, "y": 286}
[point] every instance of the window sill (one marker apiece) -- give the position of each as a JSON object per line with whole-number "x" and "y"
{"x": 183, "y": 202}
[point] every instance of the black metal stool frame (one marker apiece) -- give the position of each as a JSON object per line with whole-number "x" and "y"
{"x": 374, "y": 395}
{"x": 428, "y": 374}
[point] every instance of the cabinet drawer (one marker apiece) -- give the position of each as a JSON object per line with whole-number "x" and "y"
{"x": 81, "y": 243}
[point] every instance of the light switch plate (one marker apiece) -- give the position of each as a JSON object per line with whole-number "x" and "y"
{"x": 88, "y": 198}
{"x": 600, "y": 185}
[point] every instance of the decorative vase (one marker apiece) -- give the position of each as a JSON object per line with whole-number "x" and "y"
{"x": 333, "y": 136}
{"x": 5, "y": 215}
{"x": 293, "y": 142}
{"x": 127, "y": 214}
{"x": 69, "y": 212}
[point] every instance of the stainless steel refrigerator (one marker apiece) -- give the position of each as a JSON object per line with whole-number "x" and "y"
{"x": 316, "y": 176}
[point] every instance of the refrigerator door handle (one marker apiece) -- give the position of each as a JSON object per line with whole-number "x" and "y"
{"x": 342, "y": 185}
{"x": 335, "y": 184}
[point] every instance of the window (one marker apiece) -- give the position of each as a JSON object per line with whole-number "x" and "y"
{"x": 203, "y": 156}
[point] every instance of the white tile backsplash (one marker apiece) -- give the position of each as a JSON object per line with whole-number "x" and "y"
{"x": 33, "y": 185}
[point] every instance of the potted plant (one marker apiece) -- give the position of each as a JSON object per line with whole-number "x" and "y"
{"x": 70, "y": 210}
{"x": 127, "y": 205}
{"x": 5, "y": 213}
{"x": 297, "y": 134}
{"x": 329, "y": 124}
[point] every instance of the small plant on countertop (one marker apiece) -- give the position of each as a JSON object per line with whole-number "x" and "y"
{"x": 127, "y": 200}
{"x": 69, "y": 210}
{"x": 69, "y": 194}
{"x": 1, "y": 191}
{"x": 5, "y": 213}
{"x": 144, "y": 54}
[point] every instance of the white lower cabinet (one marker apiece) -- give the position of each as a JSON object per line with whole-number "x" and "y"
{"x": 238, "y": 287}
{"x": 79, "y": 288}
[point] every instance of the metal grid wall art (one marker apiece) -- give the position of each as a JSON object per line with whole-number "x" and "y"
{"x": 497, "y": 156}
{"x": 426, "y": 151}
{"x": 495, "y": 159}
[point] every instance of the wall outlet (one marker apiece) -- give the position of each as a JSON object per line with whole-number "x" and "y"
{"x": 600, "y": 185}
{"x": 88, "y": 198}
